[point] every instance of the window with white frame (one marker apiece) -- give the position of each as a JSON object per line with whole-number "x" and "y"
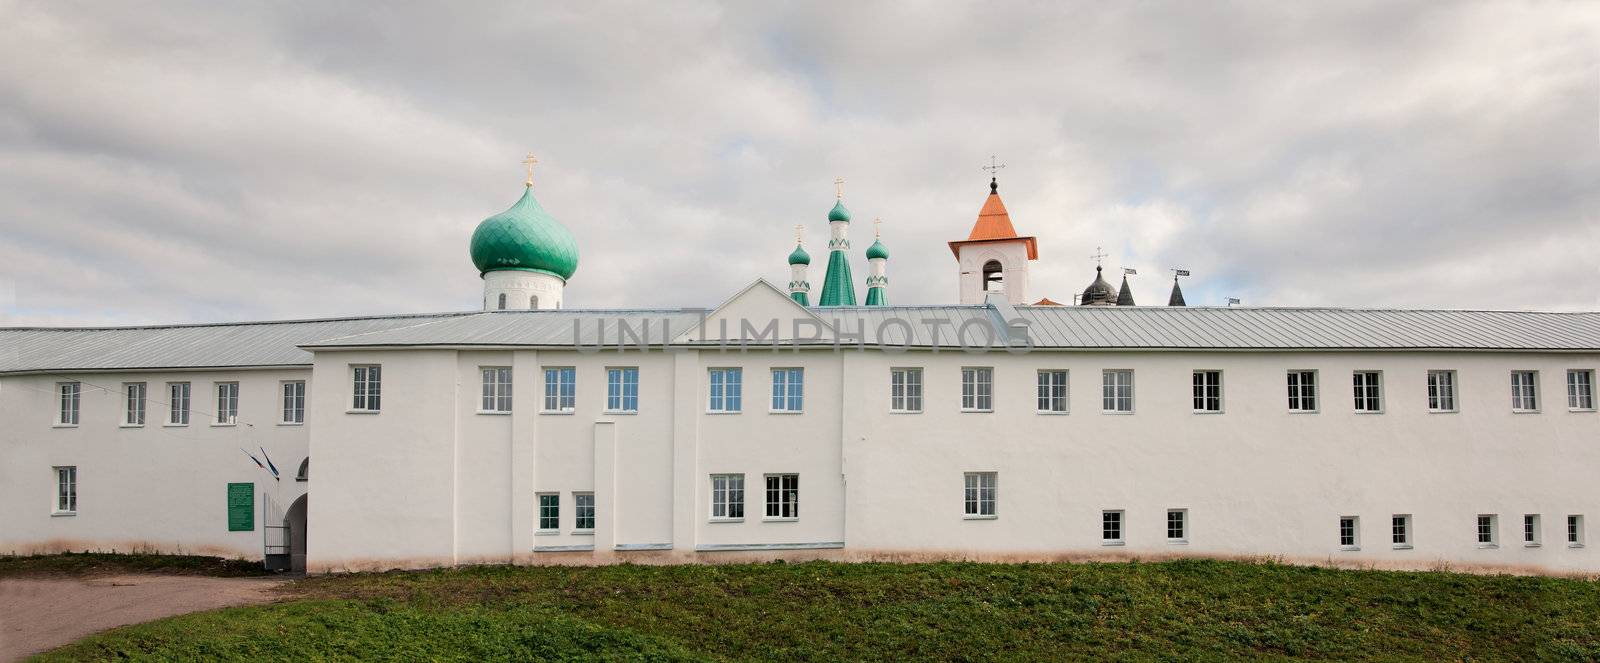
{"x": 1525, "y": 391}
{"x": 1575, "y": 531}
{"x": 1488, "y": 535}
{"x": 1116, "y": 391}
{"x": 177, "y": 403}
{"x": 1350, "y": 532}
{"x": 227, "y": 403}
{"x": 727, "y": 390}
{"x": 583, "y": 511}
{"x": 1580, "y": 389}
{"x": 133, "y": 403}
{"x": 905, "y": 390}
{"x": 981, "y": 494}
{"x": 1302, "y": 391}
{"x": 1111, "y": 528}
{"x": 977, "y": 389}
{"x": 496, "y": 389}
{"x": 66, "y": 489}
{"x": 1530, "y": 530}
{"x": 1052, "y": 393}
{"x": 622, "y": 389}
{"x": 1368, "y": 391}
{"x": 1177, "y": 525}
{"x": 549, "y": 512}
{"x": 1208, "y": 391}
{"x": 367, "y": 388}
{"x": 71, "y": 395}
{"x": 788, "y": 389}
{"x": 560, "y": 389}
{"x": 1400, "y": 530}
{"x": 1441, "y": 391}
{"x": 783, "y": 496}
{"x": 294, "y": 402}
{"x": 727, "y": 497}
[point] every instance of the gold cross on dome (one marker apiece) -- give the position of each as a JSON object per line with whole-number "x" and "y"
{"x": 877, "y": 228}
{"x": 799, "y": 234}
{"x": 529, "y": 163}
{"x": 1098, "y": 256}
{"x": 838, "y": 188}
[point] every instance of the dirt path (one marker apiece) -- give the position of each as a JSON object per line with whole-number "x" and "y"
{"x": 37, "y": 614}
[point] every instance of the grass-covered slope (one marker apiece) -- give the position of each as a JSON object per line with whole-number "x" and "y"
{"x": 957, "y": 611}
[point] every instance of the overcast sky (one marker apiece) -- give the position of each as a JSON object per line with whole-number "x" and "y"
{"x": 171, "y": 162}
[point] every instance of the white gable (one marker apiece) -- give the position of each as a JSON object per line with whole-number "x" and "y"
{"x": 760, "y": 314}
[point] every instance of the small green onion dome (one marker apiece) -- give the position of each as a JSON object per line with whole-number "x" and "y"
{"x": 877, "y": 251}
{"x": 839, "y": 213}
{"x": 525, "y": 238}
{"x": 799, "y": 257}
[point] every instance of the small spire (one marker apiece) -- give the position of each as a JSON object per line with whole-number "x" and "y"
{"x": 529, "y": 163}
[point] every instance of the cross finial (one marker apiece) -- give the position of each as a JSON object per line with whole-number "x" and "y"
{"x": 838, "y": 188}
{"x": 877, "y": 228}
{"x": 994, "y": 166}
{"x": 1098, "y": 256}
{"x": 529, "y": 163}
{"x": 799, "y": 234}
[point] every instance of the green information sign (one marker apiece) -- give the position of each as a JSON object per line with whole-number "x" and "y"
{"x": 241, "y": 507}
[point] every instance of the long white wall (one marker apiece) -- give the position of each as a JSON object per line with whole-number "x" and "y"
{"x": 157, "y": 487}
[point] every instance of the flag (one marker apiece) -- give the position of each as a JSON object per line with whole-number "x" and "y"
{"x": 1182, "y": 272}
{"x": 1232, "y": 301}
{"x": 253, "y": 457}
{"x": 1130, "y": 271}
{"x": 270, "y": 467}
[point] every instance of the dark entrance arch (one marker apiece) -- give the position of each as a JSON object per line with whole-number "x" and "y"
{"x": 295, "y": 519}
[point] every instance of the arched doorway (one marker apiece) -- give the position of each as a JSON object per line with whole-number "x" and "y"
{"x": 994, "y": 277}
{"x": 295, "y": 519}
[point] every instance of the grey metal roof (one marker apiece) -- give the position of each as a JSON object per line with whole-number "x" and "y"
{"x": 35, "y": 349}
{"x": 24, "y": 350}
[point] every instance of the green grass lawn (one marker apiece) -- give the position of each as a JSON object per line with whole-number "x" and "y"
{"x": 1182, "y": 610}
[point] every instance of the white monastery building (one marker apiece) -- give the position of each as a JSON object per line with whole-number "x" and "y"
{"x": 996, "y": 427}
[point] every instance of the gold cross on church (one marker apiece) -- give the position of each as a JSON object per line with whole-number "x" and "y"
{"x": 838, "y": 188}
{"x": 529, "y": 163}
{"x": 877, "y": 228}
{"x": 799, "y": 234}
{"x": 1098, "y": 256}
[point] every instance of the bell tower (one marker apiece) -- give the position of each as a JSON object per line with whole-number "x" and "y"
{"x": 993, "y": 258}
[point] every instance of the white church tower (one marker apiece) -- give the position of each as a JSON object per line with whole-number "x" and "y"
{"x": 993, "y": 259}
{"x": 524, "y": 255}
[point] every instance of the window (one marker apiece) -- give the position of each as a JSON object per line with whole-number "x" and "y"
{"x": 981, "y": 494}
{"x": 1441, "y": 391}
{"x": 1052, "y": 391}
{"x": 294, "y": 402}
{"x": 583, "y": 511}
{"x": 1524, "y": 391}
{"x": 1302, "y": 391}
{"x": 1350, "y": 532}
{"x": 1111, "y": 528}
{"x": 502, "y": 301}
{"x": 560, "y": 389}
{"x": 1400, "y": 530}
{"x": 1116, "y": 391}
{"x": 133, "y": 410}
{"x": 227, "y": 403}
{"x": 1208, "y": 391}
{"x": 71, "y": 395}
{"x": 622, "y": 390}
{"x": 905, "y": 390}
{"x": 783, "y": 496}
{"x": 1530, "y": 530}
{"x": 1177, "y": 525}
{"x": 727, "y": 497}
{"x": 1575, "y": 531}
{"x": 1580, "y": 390}
{"x": 549, "y": 512}
{"x": 994, "y": 277}
{"x": 66, "y": 489}
{"x": 727, "y": 390}
{"x": 368, "y": 388}
{"x": 1368, "y": 391}
{"x": 496, "y": 389}
{"x": 178, "y": 403}
{"x": 1487, "y": 536}
{"x": 788, "y": 389}
{"x": 977, "y": 389}
{"x": 533, "y": 302}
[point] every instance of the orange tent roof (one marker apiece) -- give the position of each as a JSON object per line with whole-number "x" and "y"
{"x": 994, "y": 224}
{"x": 1047, "y": 302}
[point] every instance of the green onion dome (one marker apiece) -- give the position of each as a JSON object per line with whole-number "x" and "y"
{"x": 799, "y": 257}
{"x": 877, "y": 251}
{"x": 525, "y": 238}
{"x": 839, "y": 213}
